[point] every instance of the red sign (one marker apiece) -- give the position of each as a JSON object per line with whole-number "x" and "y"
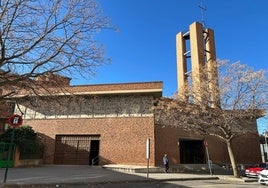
{"x": 15, "y": 120}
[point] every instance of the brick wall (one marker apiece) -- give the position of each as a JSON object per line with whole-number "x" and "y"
{"x": 246, "y": 148}
{"x": 122, "y": 140}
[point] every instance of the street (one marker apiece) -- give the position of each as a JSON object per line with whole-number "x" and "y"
{"x": 168, "y": 184}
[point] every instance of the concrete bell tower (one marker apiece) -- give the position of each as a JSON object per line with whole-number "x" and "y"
{"x": 196, "y": 65}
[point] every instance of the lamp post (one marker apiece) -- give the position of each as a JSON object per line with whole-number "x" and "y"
{"x": 266, "y": 146}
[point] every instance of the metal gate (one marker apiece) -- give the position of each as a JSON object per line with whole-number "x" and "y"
{"x": 4, "y": 149}
{"x": 74, "y": 149}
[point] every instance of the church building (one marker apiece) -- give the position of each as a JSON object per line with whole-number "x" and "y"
{"x": 110, "y": 123}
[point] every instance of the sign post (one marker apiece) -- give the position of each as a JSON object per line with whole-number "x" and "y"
{"x": 209, "y": 161}
{"x": 148, "y": 155}
{"x": 14, "y": 121}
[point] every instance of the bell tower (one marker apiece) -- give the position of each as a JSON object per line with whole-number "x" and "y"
{"x": 197, "y": 72}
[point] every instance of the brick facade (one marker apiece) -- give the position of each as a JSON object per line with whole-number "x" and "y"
{"x": 246, "y": 148}
{"x": 122, "y": 120}
{"x": 122, "y": 140}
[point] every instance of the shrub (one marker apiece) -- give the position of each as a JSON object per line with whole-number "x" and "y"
{"x": 26, "y": 139}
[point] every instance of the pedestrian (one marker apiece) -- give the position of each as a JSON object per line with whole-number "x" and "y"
{"x": 165, "y": 161}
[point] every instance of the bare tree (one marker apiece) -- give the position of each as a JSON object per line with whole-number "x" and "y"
{"x": 40, "y": 38}
{"x": 243, "y": 99}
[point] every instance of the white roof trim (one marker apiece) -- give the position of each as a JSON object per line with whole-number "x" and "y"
{"x": 99, "y": 92}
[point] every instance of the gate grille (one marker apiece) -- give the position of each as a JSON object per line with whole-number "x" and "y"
{"x": 73, "y": 149}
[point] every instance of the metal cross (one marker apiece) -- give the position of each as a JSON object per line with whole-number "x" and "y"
{"x": 203, "y": 9}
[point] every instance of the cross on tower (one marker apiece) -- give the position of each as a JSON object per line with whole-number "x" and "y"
{"x": 203, "y": 9}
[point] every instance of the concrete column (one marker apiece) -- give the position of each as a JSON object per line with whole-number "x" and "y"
{"x": 198, "y": 61}
{"x": 212, "y": 69}
{"x": 181, "y": 66}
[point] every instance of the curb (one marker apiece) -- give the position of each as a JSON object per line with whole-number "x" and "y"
{"x": 70, "y": 185}
{"x": 239, "y": 179}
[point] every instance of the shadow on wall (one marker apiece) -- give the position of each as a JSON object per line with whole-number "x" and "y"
{"x": 72, "y": 150}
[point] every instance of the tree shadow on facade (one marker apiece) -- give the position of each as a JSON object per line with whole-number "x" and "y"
{"x": 72, "y": 150}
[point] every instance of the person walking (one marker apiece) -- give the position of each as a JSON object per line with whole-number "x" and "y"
{"x": 165, "y": 161}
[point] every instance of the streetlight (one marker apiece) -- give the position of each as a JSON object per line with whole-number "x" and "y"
{"x": 266, "y": 146}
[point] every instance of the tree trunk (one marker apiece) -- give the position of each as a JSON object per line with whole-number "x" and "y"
{"x": 232, "y": 158}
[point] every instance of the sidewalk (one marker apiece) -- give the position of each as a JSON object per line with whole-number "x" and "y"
{"x": 73, "y": 175}
{"x": 155, "y": 173}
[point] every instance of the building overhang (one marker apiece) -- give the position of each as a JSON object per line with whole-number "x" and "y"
{"x": 142, "y": 88}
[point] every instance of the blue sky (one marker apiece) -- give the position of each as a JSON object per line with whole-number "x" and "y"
{"x": 143, "y": 49}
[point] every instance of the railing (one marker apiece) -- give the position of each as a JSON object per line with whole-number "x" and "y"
{"x": 94, "y": 161}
